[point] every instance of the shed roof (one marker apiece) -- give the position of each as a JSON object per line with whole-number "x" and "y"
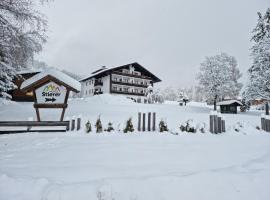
{"x": 53, "y": 74}
{"x": 229, "y": 102}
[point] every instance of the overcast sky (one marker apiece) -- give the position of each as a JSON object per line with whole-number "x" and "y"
{"x": 168, "y": 37}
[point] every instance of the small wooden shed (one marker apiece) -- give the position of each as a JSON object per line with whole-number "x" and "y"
{"x": 229, "y": 106}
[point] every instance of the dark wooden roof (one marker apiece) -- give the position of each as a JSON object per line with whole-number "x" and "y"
{"x": 136, "y": 65}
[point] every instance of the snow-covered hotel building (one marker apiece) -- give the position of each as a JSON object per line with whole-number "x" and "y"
{"x": 131, "y": 80}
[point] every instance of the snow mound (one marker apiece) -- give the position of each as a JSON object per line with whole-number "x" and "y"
{"x": 4, "y": 101}
{"x": 109, "y": 100}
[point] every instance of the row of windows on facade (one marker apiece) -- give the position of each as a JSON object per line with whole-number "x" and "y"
{"x": 126, "y": 89}
{"x": 127, "y": 80}
{"x": 126, "y": 71}
{"x": 91, "y": 82}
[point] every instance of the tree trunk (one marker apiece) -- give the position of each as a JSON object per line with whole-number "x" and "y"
{"x": 215, "y": 103}
{"x": 266, "y": 108}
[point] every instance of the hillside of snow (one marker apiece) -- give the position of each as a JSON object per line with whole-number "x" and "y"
{"x": 134, "y": 166}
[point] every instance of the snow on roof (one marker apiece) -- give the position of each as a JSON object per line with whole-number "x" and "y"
{"x": 56, "y": 74}
{"x": 28, "y": 71}
{"x": 228, "y": 102}
{"x": 97, "y": 73}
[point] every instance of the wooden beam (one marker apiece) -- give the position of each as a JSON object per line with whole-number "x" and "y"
{"x": 51, "y": 105}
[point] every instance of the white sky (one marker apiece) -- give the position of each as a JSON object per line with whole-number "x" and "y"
{"x": 168, "y": 37}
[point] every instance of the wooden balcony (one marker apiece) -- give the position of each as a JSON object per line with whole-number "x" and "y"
{"x": 131, "y": 75}
{"x": 127, "y": 93}
{"x": 98, "y": 83}
{"x": 129, "y": 84}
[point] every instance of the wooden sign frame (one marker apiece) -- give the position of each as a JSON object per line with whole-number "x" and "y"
{"x": 36, "y": 85}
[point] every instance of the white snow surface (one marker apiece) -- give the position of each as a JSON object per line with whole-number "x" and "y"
{"x": 135, "y": 166}
{"x": 56, "y": 74}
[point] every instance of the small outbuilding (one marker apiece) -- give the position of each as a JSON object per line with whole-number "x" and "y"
{"x": 229, "y": 106}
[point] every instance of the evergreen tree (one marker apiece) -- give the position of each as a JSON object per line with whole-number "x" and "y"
{"x": 98, "y": 125}
{"x": 259, "y": 73}
{"x": 162, "y": 126}
{"x": 88, "y": 127}
{"x": 129, "y": 126}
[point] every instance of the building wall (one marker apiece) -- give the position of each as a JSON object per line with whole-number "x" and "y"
{"x": 106, "y": 84}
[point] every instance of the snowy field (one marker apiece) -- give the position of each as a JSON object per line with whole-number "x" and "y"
{"x": 135, "y": 166}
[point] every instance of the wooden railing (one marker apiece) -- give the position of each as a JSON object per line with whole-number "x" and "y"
{"x": 129, "y": 84}
{"x": 131, "y": 75}
{"x": 128, "y": 93}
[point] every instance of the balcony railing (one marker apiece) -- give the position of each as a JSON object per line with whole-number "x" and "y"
{"x": 98, "y": 83}
{"x": 129, "y": 84}
{"x": 97, "y": 93}
{"x": 128, "y": 93}
{"x": 131, "y": 75}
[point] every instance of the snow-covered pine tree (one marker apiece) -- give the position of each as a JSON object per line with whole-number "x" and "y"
{"x": 88, "y": 127}
{"x": 98, "y": 125}
{"x": 163, "y": 126}
{"x": 182, "y": 96}
{"x": 259, "y": 73}
{"x": 219, "y": 76}
{"x": 22, "y": 34}
{"x": 129, "y": 126}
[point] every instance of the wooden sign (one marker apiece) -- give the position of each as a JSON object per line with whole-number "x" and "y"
{"x": 51, "y": 90}
{"x": 51, "y": 93}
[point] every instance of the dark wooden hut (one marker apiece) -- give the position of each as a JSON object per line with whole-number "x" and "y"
{"x": 229, "y": 106}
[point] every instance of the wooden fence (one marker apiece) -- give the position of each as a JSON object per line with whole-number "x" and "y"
{"x": 150, "y": 124}
{"x": 217, "y": 123}
{"x": 265, "y": 123}
{"x": 27, "y": 126}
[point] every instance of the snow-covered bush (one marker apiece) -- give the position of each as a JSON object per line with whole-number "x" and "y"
{"x": 188, "y": 126}
{"x": 98, "y": 125}
{"x": 88, "y": 127}
{"x": 110, "y": 127}
{"x": 162, "y": 126}
{"x": 238, "y": 126}
{"x": 129, "y": 126}
{"x": 201, "y": 127}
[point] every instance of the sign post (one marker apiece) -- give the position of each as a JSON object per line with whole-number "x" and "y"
{"x": 51, "y": 90}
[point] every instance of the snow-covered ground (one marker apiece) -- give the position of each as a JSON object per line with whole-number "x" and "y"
{"x": 134, "y": 166}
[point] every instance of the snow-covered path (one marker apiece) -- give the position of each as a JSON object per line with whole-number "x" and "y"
{"x": 136, "y": 166}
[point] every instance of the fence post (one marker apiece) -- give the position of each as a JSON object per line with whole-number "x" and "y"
{"x": 223, "y": 129}
{"x": 219, "y": 123}
{"x": 72, "y": 124}
{"x": 78, "y": 123}
{"x": 154, "y": 122}
{"x": 139, "y": 121}
{"x": 263, "y": 122}
{"x": 267, "y": 123}
{"x": 143, "y": 125}
{"x": 215, "y": 123}
{"x": 149, "y": 122}
{"x": 211, "y": 122}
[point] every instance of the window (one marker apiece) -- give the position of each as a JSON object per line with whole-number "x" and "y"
{"x": 114, "y": 88}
